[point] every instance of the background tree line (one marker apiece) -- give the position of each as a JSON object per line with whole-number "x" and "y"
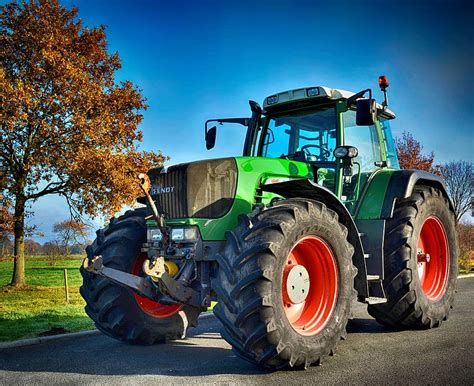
{"x": 71, "y": 238}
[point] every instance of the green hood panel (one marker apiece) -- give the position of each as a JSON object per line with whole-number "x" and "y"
{"x": 251, "y": 173}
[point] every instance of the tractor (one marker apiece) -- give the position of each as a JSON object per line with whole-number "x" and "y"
{"x": 314, "y": 215}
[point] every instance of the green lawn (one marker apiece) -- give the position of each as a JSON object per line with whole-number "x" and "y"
{"x": 41, "y": 305}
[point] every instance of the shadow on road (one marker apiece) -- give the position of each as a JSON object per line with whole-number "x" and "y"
{"x": 203, "y": 353}
{"x": 369, "y": 326}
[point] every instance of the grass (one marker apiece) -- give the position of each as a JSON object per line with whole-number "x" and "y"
{"x": 41, "y": 305}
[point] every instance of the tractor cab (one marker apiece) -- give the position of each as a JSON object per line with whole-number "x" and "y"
{"x": 318, "y": 125}
{"x": 344, "y": 137}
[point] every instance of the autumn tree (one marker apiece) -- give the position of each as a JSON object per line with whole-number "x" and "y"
{"x": 32, "y": 247}
{"x": 66, "y": 126}
{"x": 6, "y": 226}
{"x": 409, "y": 152}
{"x": 466, "y": 246}
{"x": 459, "y": 179}
{"x": 69, "y": 232}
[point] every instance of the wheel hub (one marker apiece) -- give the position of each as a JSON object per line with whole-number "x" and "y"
{"x": 433, "y": 258}
{"x": 297, "y": 283}
{"x": 309, "y": 285}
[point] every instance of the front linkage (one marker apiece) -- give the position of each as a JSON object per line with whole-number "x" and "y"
{"x": 159, "y": 285}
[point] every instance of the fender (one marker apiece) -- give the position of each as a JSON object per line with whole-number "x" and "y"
{"x": 402, "y": 184}
{"x": 304, "y": 188}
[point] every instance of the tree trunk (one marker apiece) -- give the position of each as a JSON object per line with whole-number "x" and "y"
{"x": 18, "y": 278}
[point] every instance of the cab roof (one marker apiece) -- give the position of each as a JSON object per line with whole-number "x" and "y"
{"x": 316, "y": 92}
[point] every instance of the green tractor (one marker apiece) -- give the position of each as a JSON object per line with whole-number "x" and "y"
{"x": 315, "y": 214}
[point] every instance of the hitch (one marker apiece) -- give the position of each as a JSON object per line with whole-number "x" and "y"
{"x": 167, "y": 290}
{"x": 177, "y": 289}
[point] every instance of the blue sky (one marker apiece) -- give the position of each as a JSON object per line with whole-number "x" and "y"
{"x": 196, "y": 60}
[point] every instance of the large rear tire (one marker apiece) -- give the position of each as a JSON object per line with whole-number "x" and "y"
{"x": 117, "y": 311}
{"x": 420, "y": 262}
{"x": 285, "y": 284}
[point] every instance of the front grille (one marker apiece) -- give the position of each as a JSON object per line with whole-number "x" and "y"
{"x": 204, "y": 189}
{"x": 169, "y": 192}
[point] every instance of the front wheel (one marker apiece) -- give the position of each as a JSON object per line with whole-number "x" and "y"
{"x": 117, "y": 311}
{"x": 420, "y": 262}
{"x": 285, "y": 284}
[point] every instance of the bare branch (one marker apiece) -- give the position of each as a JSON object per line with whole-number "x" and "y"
{"x": 460, "y": 185}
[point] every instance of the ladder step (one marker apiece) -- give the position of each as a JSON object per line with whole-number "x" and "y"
{"x": 373, "y": 277}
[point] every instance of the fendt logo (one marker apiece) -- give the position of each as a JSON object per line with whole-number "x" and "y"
{"x": 162, "y": 189}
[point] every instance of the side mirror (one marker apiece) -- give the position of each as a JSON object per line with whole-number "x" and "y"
{"x": 211, "y": 137}
{"x": 366, "y": 114}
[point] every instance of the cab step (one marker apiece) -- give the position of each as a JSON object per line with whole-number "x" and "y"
{"x": 373, "y": 277}
{"x": 375, "y": 300}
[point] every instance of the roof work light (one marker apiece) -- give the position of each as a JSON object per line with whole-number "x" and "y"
{"x": 383, "y": 83}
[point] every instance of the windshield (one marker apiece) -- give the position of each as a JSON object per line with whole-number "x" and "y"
{"x": 307, "y": 136}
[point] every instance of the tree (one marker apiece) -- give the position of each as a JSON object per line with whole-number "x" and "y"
{"x": 69, "y": 232}
{"x": 6, "y": 227}
{"x": 410, "y": 156}
{"x": 52, "y": 250}
{"x": 32, "y": 247}
{"x": 67, "y": 127}
{"x": 79, "y": 248}
{"x": 459, "y": 179}
{"x": 466, "y": 246}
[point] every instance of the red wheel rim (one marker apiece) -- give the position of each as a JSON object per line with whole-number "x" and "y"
{"x": 308, "y": 317}
{"x": 433, "y": 258}
{"x": 149, "y": 306}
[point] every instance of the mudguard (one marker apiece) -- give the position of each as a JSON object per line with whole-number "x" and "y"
{"x": 307, "y": 189}
{"x": 402, "y": 183}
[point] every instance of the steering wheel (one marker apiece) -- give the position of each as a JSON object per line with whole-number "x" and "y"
{"x": 324, "y": 151}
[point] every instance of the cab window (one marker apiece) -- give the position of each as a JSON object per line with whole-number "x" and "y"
{"x": 392, "y": 157}
{"x": 306, "y": 136}
{"x": 365, "y": 139}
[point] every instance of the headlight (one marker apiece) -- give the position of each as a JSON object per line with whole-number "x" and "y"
{"x": 311, "y": 92}
{"x": 340, "y": 152}
{"x": 346, "y": 152}
{"x": 190, "y": 234}
{"x": 154, "y": 234}
{"x": 184, "y": 234}
{"x": 177, "y": 234}
{"x": 272, "y": 99}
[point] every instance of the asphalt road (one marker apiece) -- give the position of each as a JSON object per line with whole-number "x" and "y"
{"x": 372, "y": 354}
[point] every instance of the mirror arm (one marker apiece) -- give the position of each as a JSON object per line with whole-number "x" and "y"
{"x": 240, "y": 121}
{"x": 360, "y": 94}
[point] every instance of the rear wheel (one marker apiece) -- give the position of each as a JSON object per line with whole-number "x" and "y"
{"x": 118, "y": 311}
{"x": 420, "y": 262}
{"x": 285, "y": 284}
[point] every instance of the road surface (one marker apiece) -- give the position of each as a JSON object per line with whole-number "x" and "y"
{"x": 372, "y": 354}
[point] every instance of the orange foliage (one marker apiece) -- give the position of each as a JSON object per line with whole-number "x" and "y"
{"x": 6, "y": 220}
{"x": 466, "y": 246}
{"x": 65, "y": 120}
{"x": 410, "y": 156}
{"x": 66, "y": 126}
